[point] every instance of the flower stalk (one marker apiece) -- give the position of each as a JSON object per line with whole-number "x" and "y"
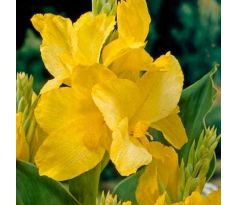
{"x": 85, "y": 186}
{"x": 26, "y": 101}
{"x": 193, "y": 174}
{"x": 108, "y": 199}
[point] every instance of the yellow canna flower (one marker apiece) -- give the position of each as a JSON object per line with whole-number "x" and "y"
{"x": 74, "y": 123}
{"x": 128, "y": 103}
{"x": 66, "y": 44}
{"x": 130, "y": 108}
{"x": 77, "y": 134}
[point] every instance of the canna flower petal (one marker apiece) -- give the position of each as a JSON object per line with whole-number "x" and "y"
{"x": 172, "y": 129}
{"x": 84, "y": 144}
{"x": 92, "y": 32}
{"x": 59, "y": 39}
{"x": 160, "y": 176}
{"x": 64, "y": 105}
{"x": 139, "y": 101}
{"x": 117, "y": 49}
{"x": 161, "y": 91}
{"x": 85, "y": 77}
{"x": 133, "y": 20}
{"x": 59, "y": 106}
{"x": 116, "y": 100}
{"x": 147, "y": 189}
{"x": 114, "y": 50}
{"x": 52, "y": 84}
{"x": 166, "y": 160}
{"x": 124, "y": 68}
{"x": 22, "y": 148}
{"x": 124, "y": 149}
{"x": 65, "y": 155}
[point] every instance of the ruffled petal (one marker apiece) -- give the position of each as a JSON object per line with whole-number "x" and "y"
{"x": 161, "y": 90}
{"x": 64, "y": 154}
{"x": 92, "y": 32}
{"x": 116, "y": 100}
{"x": 133, "y": 20}
{"x": 167, "y": 166}
{"x": 130, "y": 65}
{"x": 60, "y": 106}
{"x": 127, "y": 153}
{"x": 52, "y": 84}
{"x": 114, "y": 50}
{"x": 172, "y": 129}
{"x": 59, "y": 40}
{"x": 85, "y": 77}
{"x": 147, "y": 189}
{"x": 117, "y": 49}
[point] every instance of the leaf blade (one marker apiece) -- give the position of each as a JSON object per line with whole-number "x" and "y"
{"x": 38, "y": 190}
{"x": 195, "y": 104}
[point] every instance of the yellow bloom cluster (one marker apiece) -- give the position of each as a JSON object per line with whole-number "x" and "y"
{"x": 113, "y": 93}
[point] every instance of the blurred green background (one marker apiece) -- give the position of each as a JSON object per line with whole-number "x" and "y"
{"x": 190, "y": 29}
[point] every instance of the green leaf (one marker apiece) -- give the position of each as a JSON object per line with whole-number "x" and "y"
{"x": 126, "y": 189}
{"x": 195, "y": 103}
{"x": 85, "y": 187}
{"x": 39, "y": 190}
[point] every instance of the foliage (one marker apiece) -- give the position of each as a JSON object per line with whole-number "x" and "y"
{"x": 39, "y": 189}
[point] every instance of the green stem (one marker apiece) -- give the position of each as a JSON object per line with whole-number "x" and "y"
{"x": 85, "y": 187}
